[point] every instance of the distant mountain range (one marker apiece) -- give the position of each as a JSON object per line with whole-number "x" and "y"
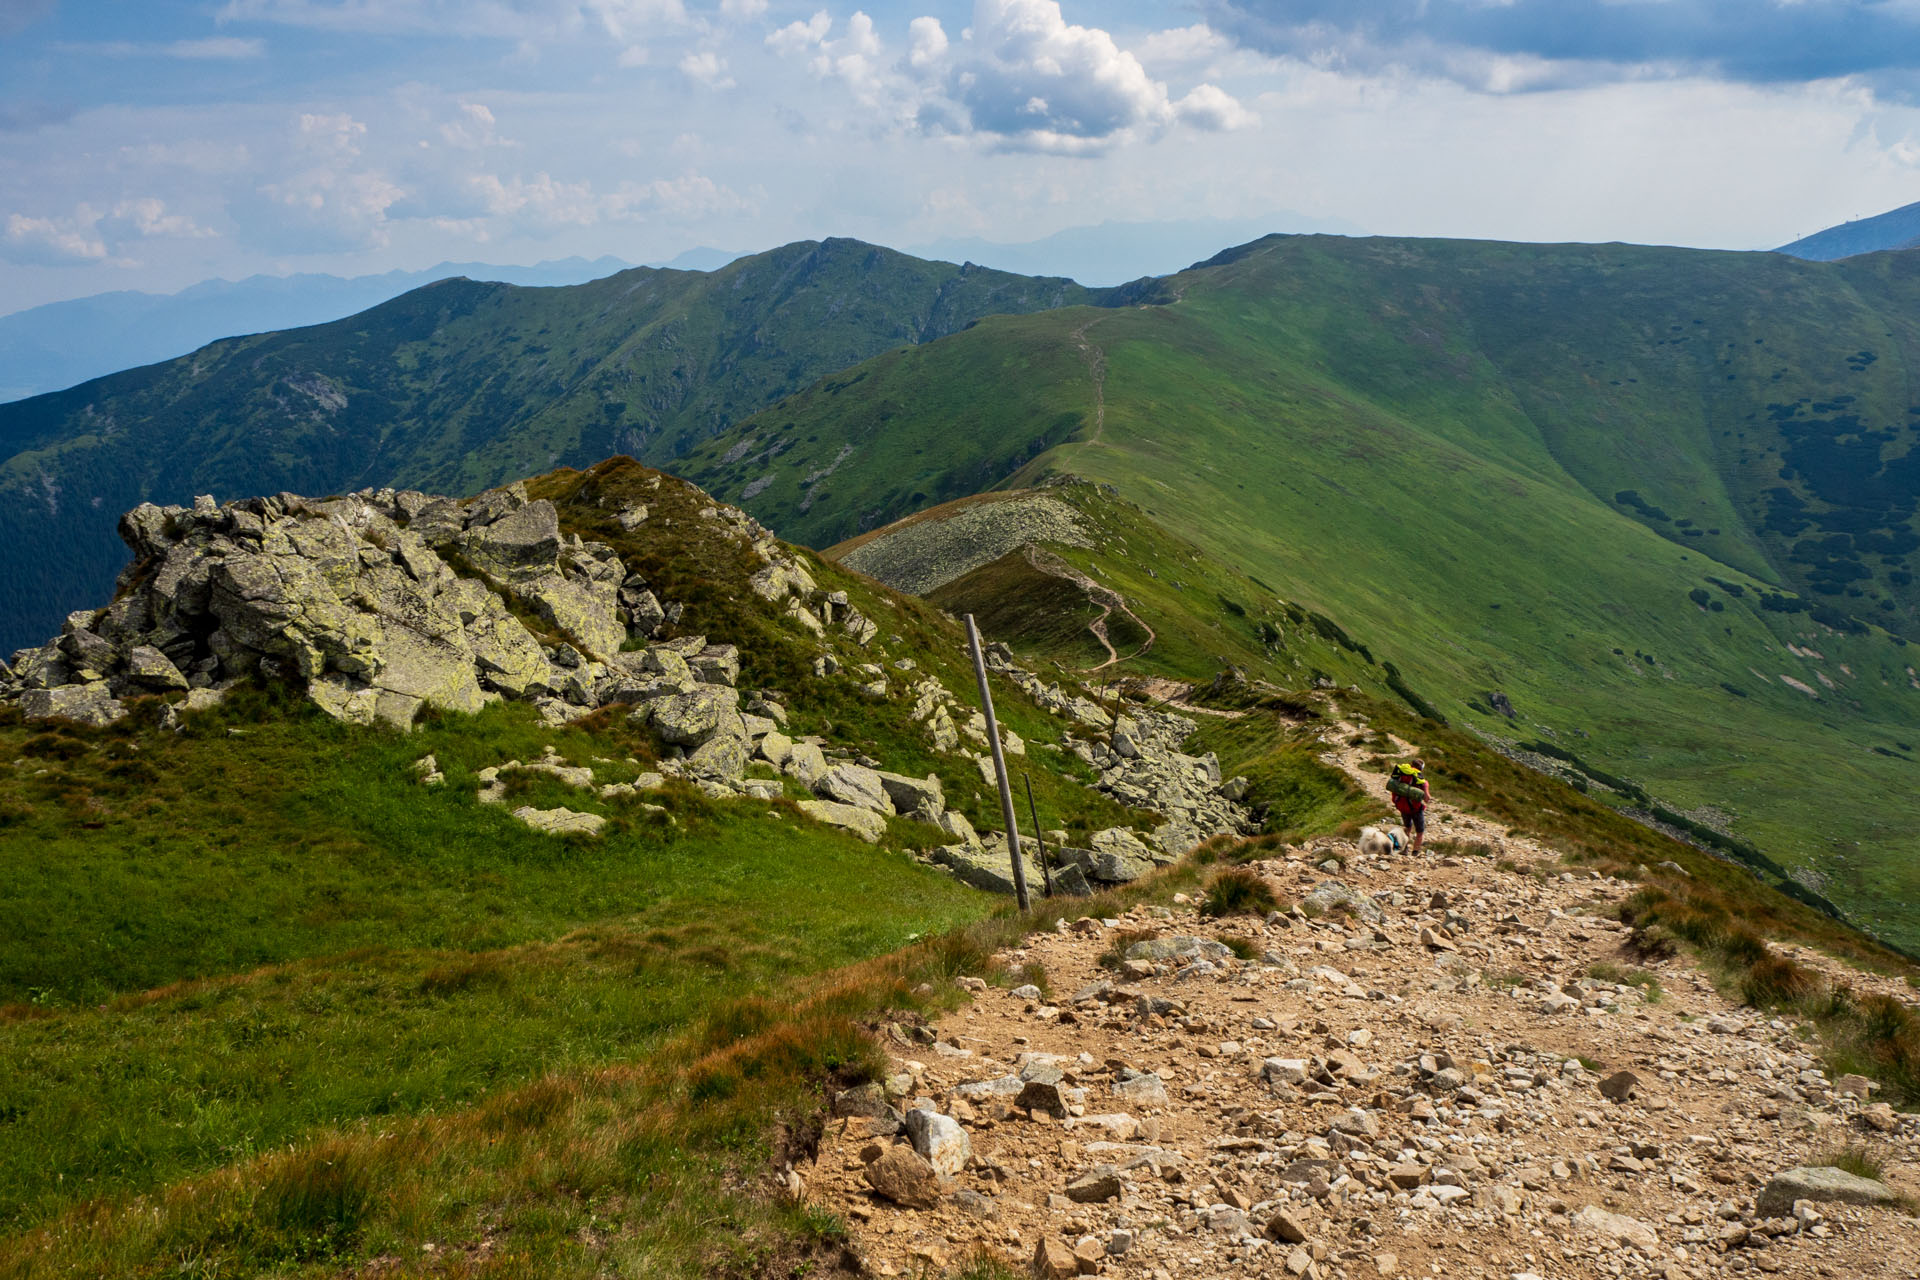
{"x": 1115, "y": 252}
{"x": 61, "y": 344}
{"x": 457, "y": 385}
{"x": 1898, "y": 229}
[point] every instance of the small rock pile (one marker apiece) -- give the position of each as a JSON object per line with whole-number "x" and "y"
{"x": 377, "y": 604}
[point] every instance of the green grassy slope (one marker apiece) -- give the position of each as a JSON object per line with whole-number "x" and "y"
{"x": 225, "y": 940}
{"x": 455, "y": 387}
{"x": 1426, "y": 441}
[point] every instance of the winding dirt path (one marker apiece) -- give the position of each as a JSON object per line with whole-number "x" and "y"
{"x": 1096, "y": 359}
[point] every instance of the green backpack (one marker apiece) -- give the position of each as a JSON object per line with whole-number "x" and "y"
{"x": 1406, "y": 786}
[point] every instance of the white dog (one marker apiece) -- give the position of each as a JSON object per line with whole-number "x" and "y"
{"x": 1375, "y": 843}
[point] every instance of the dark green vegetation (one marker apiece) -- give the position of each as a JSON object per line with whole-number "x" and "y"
{"x": 1512, "y": 468}
{"x": 452, "y": 388}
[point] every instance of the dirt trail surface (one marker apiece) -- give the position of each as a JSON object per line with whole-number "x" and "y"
{"x": 1427, "y": 1082}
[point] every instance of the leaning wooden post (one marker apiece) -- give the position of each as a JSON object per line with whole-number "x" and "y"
{"x": 1038, "y": 839}
{"x": 999, "y": 768}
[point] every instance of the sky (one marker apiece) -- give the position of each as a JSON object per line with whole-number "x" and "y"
{"x": 153, "y": 144}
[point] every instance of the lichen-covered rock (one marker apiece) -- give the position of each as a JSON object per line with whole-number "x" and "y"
{"x": 865, "y": 823}
{"x": 355, "y": 599}
{"x": 1821, "y": 1185}
{"x": 854, "y": 785}
{"x": 92, "y": 703}
{"x": 561, "y": 822}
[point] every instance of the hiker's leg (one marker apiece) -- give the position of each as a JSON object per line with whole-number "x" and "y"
{"x": 1418, "y": 821}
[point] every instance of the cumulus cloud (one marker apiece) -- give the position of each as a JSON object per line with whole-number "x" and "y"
{"x": 330, "y": 198}
{"x": 1546, "y": 44}
{"x": 1021, "y": 76}
{"x": 90, "y": 234}
{"x": 708, "y": 68}
{"x": 54, "y": 241}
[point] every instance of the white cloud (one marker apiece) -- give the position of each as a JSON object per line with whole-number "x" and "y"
{"x": 1021, "y": 76}
{"x": 331, "y": 200}
{"x": 742, "y": 8}
{"x": 1191, "y": 46}
{"x": 797, "y": 37}
{"x": 541, "y": 200}
{"x": 708, "y": 68}
{"x": 90, "y": 235}
{"x": 148, "y": 216}
{"x": 1213, "y": 108}
{"x": 634, "y": 55}
{"x": 472, "y": 128}
{"x": 55, "y": 241}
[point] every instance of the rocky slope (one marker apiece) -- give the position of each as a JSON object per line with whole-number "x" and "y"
{"x": 381, "y": 605}
{"x": 1429, "y": 1065}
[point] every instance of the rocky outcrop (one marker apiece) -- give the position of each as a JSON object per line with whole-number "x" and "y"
{"x": 378, "y": 604}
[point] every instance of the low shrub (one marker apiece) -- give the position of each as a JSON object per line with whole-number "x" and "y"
{"x": 1238, "y": 891}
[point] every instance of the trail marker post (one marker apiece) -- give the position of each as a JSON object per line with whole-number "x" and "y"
{"x": 999, "y": 768}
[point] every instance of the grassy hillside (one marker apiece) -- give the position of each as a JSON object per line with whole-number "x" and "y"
{"x": 455, "y": 387}
{"x": 225, "y": 940}
{"x": 1617, "y": 486}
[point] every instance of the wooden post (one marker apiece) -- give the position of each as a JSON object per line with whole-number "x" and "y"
{"x": 1038, "y": 839}
{"x": 999, "y": 768}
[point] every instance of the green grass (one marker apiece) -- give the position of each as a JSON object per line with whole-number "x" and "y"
{"x": 1377, "y": 428}
{"x": 337, "y": 941}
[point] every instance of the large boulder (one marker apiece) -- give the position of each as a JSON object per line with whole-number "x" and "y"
{"x": 854, "y": 785}
{"x": 988, "y": 866}
{"x": 92, "y": 704}
{"x": 922, "y": 799}
{"x": 1820, "y": 1184}
{"x": 865, "y": 823}
{"x": 697, "y": 716}
{"x": 520, "y": 544}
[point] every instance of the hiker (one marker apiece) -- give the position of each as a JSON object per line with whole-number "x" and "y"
{"x": 1408, "y": 786}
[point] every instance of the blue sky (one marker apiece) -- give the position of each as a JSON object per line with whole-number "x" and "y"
{"x": 149, "y": 145}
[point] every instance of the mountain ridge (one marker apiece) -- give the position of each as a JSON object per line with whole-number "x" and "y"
{"x": 456, "y": 386}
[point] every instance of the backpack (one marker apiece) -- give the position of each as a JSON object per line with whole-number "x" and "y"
{"x": 1405, "y": 783}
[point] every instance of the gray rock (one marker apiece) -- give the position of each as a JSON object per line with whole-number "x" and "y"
{"x": 865, "y": 823}
{"x": 1821, "y": 1185}
{"x": 806, "y": 763}
{"x": 149, "y": 668}
{"x": 1096, "y": 1186}
{"x": 922, "y": 799}
{"x": 940, "y": 1141}
{"x": 856, "y": 785}
{"x": 92, "y": 704}
{"x": 988, "y": 867}
{"x": 693, "y": 718}
{"x": 1330, "y": 896}
{"x": 561, "y": 822}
